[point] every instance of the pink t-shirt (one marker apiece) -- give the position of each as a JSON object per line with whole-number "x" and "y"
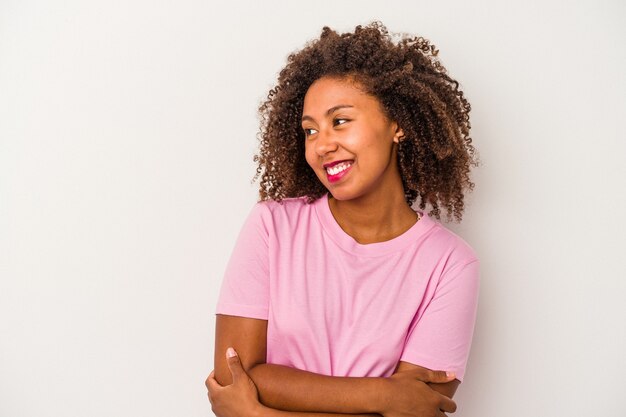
{"x": 341, "y": 308}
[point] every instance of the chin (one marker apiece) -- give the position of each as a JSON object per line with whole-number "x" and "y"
{"x": 343, "y": 195}
{"x": 341, "y": 192}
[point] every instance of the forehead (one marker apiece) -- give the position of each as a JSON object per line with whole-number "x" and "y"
{"x": 327, "y": 92}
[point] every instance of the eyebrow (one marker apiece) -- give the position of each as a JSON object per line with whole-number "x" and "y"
{"x": 329, "y": 111}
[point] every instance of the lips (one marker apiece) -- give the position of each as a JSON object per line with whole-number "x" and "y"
{"x": 333, "y": 163}
{"x": 337, "y": 169}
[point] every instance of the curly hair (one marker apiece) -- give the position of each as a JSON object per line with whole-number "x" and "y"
{"x": 415, "y": 91}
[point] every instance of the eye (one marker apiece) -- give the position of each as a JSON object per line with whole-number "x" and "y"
{"x": 339, "y": 121}
{"x": 309, "y": 132}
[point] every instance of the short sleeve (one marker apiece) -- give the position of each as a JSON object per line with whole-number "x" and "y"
{"x": 442, "y": 336}
{"x": 245, "y": 286}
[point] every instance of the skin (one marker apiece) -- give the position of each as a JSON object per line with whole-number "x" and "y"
{"x": 341, "y": 122}
{"x": 368, "y": 202}
{"x": 403, "y": 394}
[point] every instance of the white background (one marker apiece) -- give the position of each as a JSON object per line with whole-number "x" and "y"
{"x": 127, "y": 130}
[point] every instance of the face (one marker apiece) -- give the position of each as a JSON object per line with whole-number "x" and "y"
{"x": 349, "y": 142}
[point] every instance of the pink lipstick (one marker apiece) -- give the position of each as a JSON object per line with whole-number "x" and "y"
{"x": 337, "y": 170}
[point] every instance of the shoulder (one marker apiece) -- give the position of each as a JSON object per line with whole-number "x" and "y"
{"x": 459, "y": 247}
{"x": 448, "y": 250}
{"x": 453, "y": 264}
{"x": 289, "y": 210}
{"x": 286, "y": 204}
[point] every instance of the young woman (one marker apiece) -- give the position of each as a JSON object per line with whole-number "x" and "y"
{"x": 339, "y": 297}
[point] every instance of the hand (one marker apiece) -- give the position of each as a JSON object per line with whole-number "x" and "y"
{"x": 410, "y": 396}
{"x": 241, "y": 398}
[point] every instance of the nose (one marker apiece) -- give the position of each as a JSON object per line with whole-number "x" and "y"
{"x": 325, "y": 142}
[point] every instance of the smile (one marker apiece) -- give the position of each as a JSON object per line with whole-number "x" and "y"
{"x": 336, "y": 172}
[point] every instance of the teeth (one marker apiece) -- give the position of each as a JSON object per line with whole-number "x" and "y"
{"x": 338, "y": 168}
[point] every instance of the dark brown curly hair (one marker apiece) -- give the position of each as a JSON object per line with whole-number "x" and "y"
{"x": 415, "y": 91}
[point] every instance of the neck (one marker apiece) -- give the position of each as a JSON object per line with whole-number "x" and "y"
{"x": 373, "y": 218}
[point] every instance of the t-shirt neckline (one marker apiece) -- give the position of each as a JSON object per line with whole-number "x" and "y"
{"x": 347, "y": 242}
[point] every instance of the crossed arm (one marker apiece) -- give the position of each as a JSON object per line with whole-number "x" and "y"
{"x": 283, "y": 391}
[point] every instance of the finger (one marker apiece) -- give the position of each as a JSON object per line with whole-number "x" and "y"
{"x": 447, "y": 404}
{"x": 206, "y": 381}
{"x": 234, "y": 364}
{"x": 212, "y": 384}
{"x": 440, "y": 377}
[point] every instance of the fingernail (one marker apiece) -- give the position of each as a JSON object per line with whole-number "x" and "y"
{"x": 230, "y": 352}
{"x": 450, "y": 374}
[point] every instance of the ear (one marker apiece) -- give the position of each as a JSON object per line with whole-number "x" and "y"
{"x": 399, "y": 134}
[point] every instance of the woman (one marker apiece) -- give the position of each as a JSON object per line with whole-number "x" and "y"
{"x": 339, "y": 298}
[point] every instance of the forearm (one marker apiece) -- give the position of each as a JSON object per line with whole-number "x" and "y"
{"x": 270, "y": 412}
{"x": 289, "y": 389}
